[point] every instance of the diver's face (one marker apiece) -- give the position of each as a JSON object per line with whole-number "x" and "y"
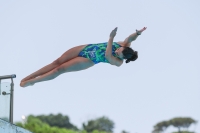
{"x": 119, "y": 53}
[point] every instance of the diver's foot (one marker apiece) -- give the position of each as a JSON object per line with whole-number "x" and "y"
{"x": 26, "y": 84}
{"x": 27, "y": 78}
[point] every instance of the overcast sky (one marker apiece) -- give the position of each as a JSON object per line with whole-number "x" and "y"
{"x": 162, "y": 84}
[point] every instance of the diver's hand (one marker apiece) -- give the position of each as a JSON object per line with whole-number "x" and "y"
{"x": 113, "y": 33}
{"x": 139, "y": 32}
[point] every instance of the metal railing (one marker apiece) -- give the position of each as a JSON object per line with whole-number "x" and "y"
{"x": 11, "y": 93}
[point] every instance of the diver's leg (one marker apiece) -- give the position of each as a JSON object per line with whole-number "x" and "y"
{"x": 76, "y": 64}
{"x": 68, "y": 55}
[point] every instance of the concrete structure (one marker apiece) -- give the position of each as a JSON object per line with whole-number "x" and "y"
{"x": 6, "y": 127}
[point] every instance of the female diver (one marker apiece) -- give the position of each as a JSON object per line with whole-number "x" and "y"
{"x": 85, "y": 56}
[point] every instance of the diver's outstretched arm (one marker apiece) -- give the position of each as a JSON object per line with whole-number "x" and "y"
{"x": 133, "y": 37}
{"x": 108, "y": 55}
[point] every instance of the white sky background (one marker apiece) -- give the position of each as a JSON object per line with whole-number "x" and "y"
{"x": 162, "y": 84}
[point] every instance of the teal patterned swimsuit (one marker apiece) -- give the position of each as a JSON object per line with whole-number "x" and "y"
{"x": 96, "y": 52}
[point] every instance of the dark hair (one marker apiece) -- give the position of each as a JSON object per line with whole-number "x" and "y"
{"x": 129, "y": 54}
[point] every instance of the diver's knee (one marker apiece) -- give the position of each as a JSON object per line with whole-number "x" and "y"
{"x": 58, "y": 70}
{"x": 57, "y": 62}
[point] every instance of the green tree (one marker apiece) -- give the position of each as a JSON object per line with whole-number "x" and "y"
{"x": 161, "y": 126}
{"x": 35, "y": 125}
{"x": 123, "y": 131}
{"x": 57, "y": 120}
{"x": 184, "y": 132}
{"x": 100, "y": 124}
{"x": 178, "y": 122}
{"x": 97, "y": 131}
{"x": 181, "y": 122}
